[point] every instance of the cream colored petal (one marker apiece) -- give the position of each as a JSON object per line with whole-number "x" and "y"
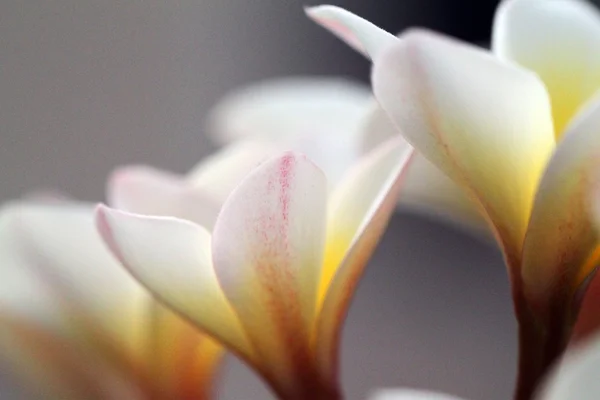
{"x": 145, "y": 190}
{"x": 561, "y": 247}
{"x": 410, "y": 394}
{"x": 268, "y": 249}
{"x": 560, "y": 41}
{"x": 358, "y": 33}
{"x": 426, "y": 189}
{"x": 172, "y": 258}
{"x": 484, "y": 123}
{"x": 359, "y": 211}
{"x": 318, "y": 116}
{"x": 576, "y": 377}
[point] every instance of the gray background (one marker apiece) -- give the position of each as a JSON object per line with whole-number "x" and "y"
{"x": 86, "y": 86}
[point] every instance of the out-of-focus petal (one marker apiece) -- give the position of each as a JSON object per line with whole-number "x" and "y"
{"x": 172, "y": 258}
{"x": 561, "y": 246}
{"x": 218, "y": 174}
{"x": 426, "y": 189}
{"x": 268, "y": 247}
{"x": 23, "y": 291}
{"x": 53, "y": 365}
{"x": 560, "y": 41}
{"x": 576, "y": 376}
{"x": 358, "y": 33}
{"x": 145, "y": 190}
{"x": 483, "y": 122}
{"x": 410, "y": 394}
{"x": 316, "y": 116}
{"x": 360, "y": 209}
{"x": 184, "y": 360}
{"x": 62, "y": 244}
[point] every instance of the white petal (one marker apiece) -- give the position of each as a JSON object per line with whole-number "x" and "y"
{"x": 316, "y": 116}
{"x": 358, "y": 33}
{"x": 145, "y": 190}
{"x": 426, "y": 189}
{"x": 268, "y": 250}
{"x": 576, "y": 377}
{"x": 486, "y": 124}
{"x": 172, "y": 258}
{"x": 560, "y": 41}
{"x": 410, "y": 394}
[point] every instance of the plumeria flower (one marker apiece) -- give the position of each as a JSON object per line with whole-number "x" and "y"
{"x": 334, "y": 121}
{"x": 274, "y": 279}
{"x": 74, "y": 323}
{"x": 518, "y": 131}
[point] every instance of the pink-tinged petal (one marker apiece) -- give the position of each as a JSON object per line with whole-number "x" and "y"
{"x": 358, "y": 33}
{"x": 218, "y": 174}
{"x": 317, "y": 116}
{"x": 562, "y": 245}
{"x": 560, "y": 41}
{"x": 426, "y": 189}
{"x": 485, "y": 123}
{"x": 268, "y": 250}
{"x": 576, "y": 376}
{"x": 360, "y": 209}
{"x": 410, "y": 394}
{"x": 145, "y": 190}
{"x": 172, "y": 258}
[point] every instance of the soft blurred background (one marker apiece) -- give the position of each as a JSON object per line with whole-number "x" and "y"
{"x": 86, "y": 86}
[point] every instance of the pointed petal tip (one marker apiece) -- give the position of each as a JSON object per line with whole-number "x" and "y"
{"x": 360, "y": 34}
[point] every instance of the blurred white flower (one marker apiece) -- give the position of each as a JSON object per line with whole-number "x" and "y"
{"x": 274, "y": 280}
{"x": 517, "y": 130}
{"x": 74, "y": 323}
{"x": 334, "y": 122}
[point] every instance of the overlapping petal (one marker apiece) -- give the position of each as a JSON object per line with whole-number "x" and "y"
{"x": 173, "y": 258}
{"x": 146, "y": 190}
{"x": 316, "y": 116}
{"x": 560, "y": 41}
{"x": 268, "y": 248}
{"x": 456, "y": 104}
{"x": 218, "y": 174}
{"x": 425, "y": 189}
{"x": 359, "y": 211}
{"x": 562, "y": 247}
